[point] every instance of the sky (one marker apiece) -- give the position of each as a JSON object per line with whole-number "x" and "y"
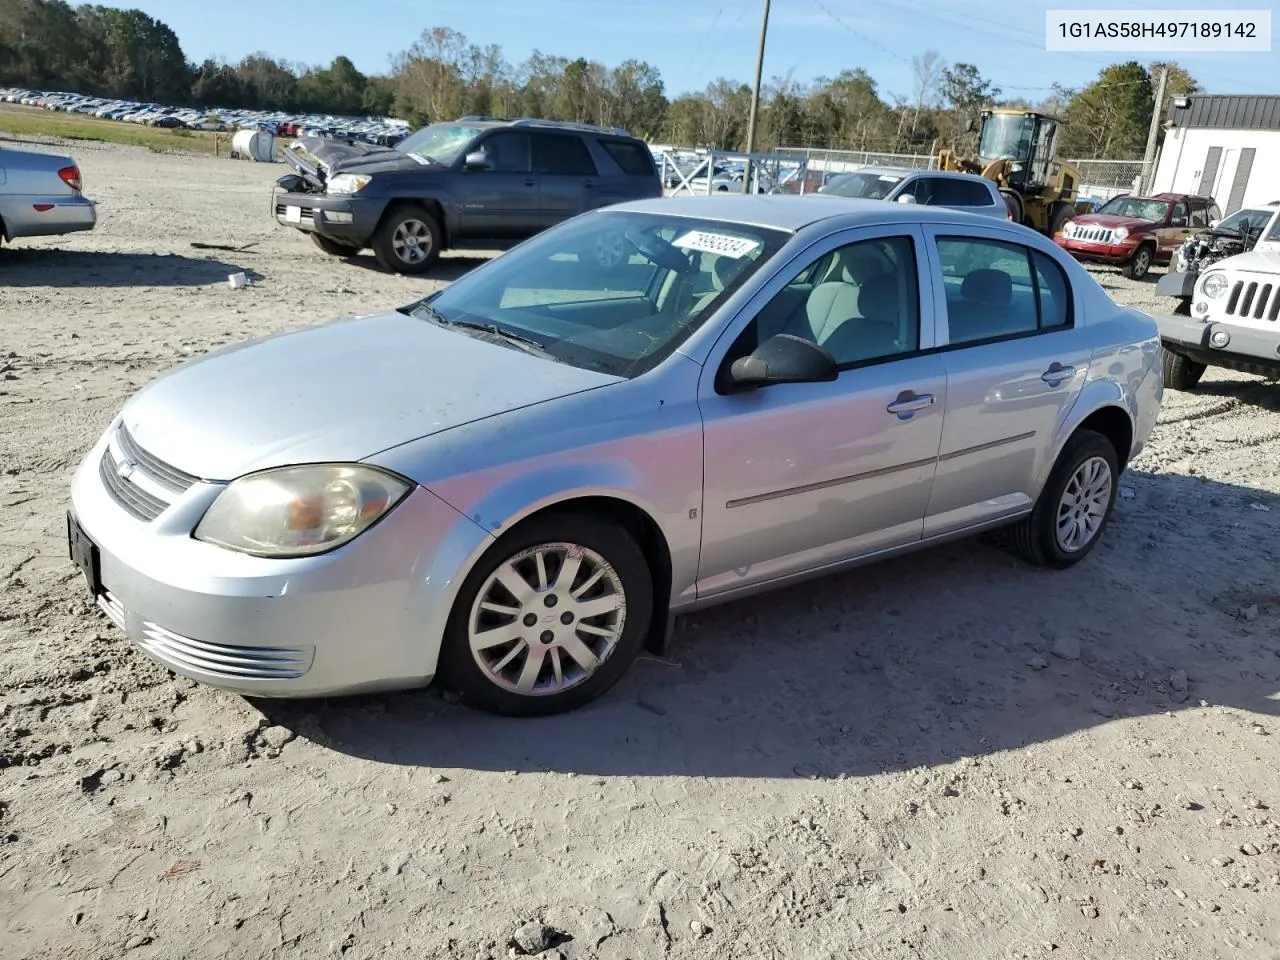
{"x": 693, "y": 42}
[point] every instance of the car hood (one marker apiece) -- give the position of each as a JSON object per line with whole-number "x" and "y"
{"x": 312, "y": 154}
{"x": 338, "y": 392}
{"x": 1255, "y": 261}
{"x": 1111, "y": 220}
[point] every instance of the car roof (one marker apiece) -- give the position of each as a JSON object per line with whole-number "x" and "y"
{"x": 793, "y": 212}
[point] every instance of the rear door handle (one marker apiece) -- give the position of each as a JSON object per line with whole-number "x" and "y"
{"x": 1057, "y": 373}
{"x": 530, "y": 182}
{"x": 908, "y": 402}
{"x": 589, "y": 184}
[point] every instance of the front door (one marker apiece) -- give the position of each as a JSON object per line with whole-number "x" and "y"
{"x": 798, "y": 476}
{"x": 1015, "y": 363}
{"x": 566, "y": 176}
{"x": 500, "y": 201}
{"x": 1170, "y": 237}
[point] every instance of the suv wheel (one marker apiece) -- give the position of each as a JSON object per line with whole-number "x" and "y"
{"x": 408, "y": 240}
{"x": 1139, "y": 264}
{"x": 1181, "y": 373}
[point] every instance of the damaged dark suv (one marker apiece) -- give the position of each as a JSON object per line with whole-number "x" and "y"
{"x": 476, "y": 183}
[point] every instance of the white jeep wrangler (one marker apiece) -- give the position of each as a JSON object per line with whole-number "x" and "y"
{"x": 1234, "y": 320}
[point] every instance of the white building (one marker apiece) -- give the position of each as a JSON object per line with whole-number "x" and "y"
{"x": 1226, "y": 147}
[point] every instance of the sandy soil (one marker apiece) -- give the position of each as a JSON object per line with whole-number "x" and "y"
{"x": 951, "y": 755}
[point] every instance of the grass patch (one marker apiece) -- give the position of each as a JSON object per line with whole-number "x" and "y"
{"x": 36, "y": 121}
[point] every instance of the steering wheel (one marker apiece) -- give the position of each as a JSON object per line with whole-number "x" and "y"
{"x": 658, "y": 251}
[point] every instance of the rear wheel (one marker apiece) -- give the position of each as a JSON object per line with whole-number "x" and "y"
{"x": 1181, "y": 373}
{"x": 1139, "y": 265}
{"x": 1074, "y": 506}
{"x": 407, "y": 240}
{"x": 333, "y": 247}
{"x": 550, "y": 618}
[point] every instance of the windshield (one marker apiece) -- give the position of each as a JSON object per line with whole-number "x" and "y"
{"x": 867, "y": 186}
{"x": 611, "y": 291}
{"x": 1135, "y": 208}
{"x": 442, "y": 142}
{"x": 1006, "y": 137}
{"x": 1249, "y": 221}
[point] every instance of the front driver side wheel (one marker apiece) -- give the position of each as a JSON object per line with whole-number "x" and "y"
{"x": 1074, "y": 506}
{"x": 550, "y": 617}
{"x": 407, "y": 240}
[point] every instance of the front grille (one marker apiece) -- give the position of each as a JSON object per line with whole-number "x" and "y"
{"x": 1093, "y": 234}
{"x": 308, "y": 213}
{"x": 162, "y": 473}
{"x": 1255, "y": 300}
{"x": 137, "y": 500}
{"x": 224, "y": 660}
{"x": 112, "y": 607}
{"x": 133, "y": 498}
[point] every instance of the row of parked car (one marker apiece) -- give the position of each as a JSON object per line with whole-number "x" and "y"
{"x": 371, "y": 130}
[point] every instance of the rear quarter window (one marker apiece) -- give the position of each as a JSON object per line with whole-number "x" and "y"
{"x": 634, "y": 159}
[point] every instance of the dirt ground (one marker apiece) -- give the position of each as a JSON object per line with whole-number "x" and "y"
{"x": 950, "y": 755}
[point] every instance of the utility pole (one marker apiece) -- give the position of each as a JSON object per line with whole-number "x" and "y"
{"x": 1148, "y": 160}
{"x": 755, "y": 100}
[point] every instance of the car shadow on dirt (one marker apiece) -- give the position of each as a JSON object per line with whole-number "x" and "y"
{"x": 960, "y": 651}
{"x": 448, "y": 268}
{"x": 34, "y": 267}
{"x": 1261, "y": 394}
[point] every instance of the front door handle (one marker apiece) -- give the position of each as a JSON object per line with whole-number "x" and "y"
{"x": 1057, "y": 373}
{"x": 908, "y": 402}
{"x": 530, "y": 182}
{"x": 589, "y": 184}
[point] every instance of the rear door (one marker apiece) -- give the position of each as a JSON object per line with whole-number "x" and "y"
{"x": 1015, "y": 363}
{"x": 566, "y": 176}
{"x": 500, "y": 202}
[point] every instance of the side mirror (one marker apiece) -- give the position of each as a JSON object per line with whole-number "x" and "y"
{"x": 906, "y": 198}
{"x": 1213, "y": 223}
{"x": 784, "y": 358}
{"x": 476, "y": 160}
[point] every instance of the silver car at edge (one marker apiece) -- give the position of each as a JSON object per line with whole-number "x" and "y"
{"x": 517, "y": 482}
{"x": 41, "y": 195}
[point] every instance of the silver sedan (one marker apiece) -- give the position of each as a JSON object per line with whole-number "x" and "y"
{"x": 41, "y": 195}
{"x": 515, "y": 483}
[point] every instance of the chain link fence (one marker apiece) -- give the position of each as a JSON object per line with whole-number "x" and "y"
{"x": 1102, "y": 179}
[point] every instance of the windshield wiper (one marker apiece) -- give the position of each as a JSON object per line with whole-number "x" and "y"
{"x": 527, "y": 344}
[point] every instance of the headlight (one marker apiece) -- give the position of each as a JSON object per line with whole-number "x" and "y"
{"x": 1215, "y": 285}
{"x": 348, "y": 183}
{"x": 299, "y": 511}
{"x": 1119, "y": 234}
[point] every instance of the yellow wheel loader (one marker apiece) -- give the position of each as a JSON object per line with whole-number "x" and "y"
{"x": 1018, "y": 150}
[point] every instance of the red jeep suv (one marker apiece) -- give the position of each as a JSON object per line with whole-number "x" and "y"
{"x": 1135, "y": 232}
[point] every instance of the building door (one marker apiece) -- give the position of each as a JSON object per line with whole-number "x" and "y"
{"x": 1226, "y": 170}
{"x": 1240, "y": 182}
{"x": 1210, "y": 172}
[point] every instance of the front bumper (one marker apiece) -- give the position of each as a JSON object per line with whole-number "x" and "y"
{"x": 1192, "y": 337}
{"x": 1097, "y": 252}
{"x": 351, "y": 219}
{"x": 368, "y": 616}
{"x": 1175, "y": 284}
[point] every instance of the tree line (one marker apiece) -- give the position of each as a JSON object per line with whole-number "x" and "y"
{"x": 110, "y": 52}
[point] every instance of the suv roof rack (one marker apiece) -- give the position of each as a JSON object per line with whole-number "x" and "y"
{"x": 553, "y": 124}
{"x": 569, "y": 125}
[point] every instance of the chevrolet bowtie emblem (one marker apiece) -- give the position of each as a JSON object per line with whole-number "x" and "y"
{"x": 124, "y": 469}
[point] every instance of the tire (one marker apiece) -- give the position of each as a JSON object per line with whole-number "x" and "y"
{"x": 1060, "y": 217}
{"x": 606, "y": 548}
{"x": 1183, "y": 309}
{"x": 1036, "y": 537}
{"x": 407, "y": 240}
{"x": 332, "y": 247}
{"x": 1139, "y": 265}
{"x": 1014, "y": 203}
{"x": 1181, "y": 373}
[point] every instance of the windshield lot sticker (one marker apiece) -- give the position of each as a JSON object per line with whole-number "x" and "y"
{"x": 719, "y": 243}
